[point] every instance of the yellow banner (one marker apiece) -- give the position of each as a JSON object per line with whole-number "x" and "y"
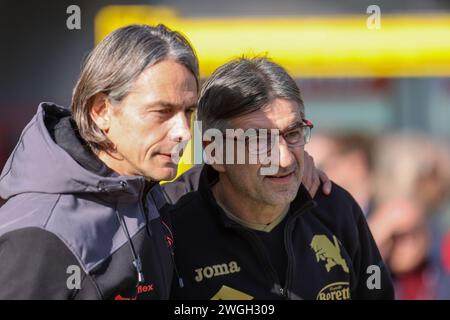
{"x": 316, "y": 46}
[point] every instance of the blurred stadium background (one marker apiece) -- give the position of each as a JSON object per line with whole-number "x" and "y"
{"x": 379, "y": 98}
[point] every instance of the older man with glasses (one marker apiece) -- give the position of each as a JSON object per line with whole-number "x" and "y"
{"x": 251, "y": 230}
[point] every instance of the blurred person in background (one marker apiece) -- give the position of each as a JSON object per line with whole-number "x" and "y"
{"x": 348, "y": 160}
{"x": 411, "y": 188}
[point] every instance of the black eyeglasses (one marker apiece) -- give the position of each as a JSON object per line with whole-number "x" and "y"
{"x": 261, "y": 141}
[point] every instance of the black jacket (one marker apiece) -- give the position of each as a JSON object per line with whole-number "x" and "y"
{"x": 72, "y": 228}
{"x": 329, "y": 249}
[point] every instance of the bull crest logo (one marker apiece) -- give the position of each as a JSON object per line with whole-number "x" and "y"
{"x": 327, "y": 251}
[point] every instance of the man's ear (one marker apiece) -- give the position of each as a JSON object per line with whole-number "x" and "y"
{"x": 219, "y": 167}
{"x": 100, "y": 111}
{"x": 211, "y": 156}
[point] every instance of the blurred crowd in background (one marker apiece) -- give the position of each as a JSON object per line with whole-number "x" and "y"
{"x": 385, "y": 137}
{"x": 402, "y": 183}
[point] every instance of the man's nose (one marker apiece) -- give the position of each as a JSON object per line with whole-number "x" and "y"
{"x": 287, "y": 158}
{"x": 180, "y": 128}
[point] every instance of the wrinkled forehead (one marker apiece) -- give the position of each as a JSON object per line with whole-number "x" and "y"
{"x": 166, "y": 81}
{"x": 279, "y": 114}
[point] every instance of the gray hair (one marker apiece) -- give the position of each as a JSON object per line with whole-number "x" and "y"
{"x": 242, "y": 86}
{"x": 115, "y": 63}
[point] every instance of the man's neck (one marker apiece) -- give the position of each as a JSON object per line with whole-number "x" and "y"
{"x": 245, "y": 208}
{"x": 115, "y": 163}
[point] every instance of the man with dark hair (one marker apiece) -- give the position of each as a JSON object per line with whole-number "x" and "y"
{"x": 82, "y": 217}
{"x": 248, "y": 232}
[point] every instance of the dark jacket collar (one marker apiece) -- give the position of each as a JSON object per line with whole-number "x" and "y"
{"x": 64, "y": 132}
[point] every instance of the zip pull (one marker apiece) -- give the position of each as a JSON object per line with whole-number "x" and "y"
{"x": 136, "y": 258}
{"x": 103, "y": 187}
{"x": 180, "y": 282}
{"x": 138, "y": 265}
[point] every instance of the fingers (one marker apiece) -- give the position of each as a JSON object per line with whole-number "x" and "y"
{"x": 315, "y": 183}
{"x": 311, "y": 179}
{"x": 326, "y": 187}
{"x": 307, "y": 171}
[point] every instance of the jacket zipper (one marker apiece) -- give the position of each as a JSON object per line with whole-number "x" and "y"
{"x": 290, "y": 257}
{"x": 289, "y": 250}
{"x": 260, "y": 252}
{"x": 144, "y": 196}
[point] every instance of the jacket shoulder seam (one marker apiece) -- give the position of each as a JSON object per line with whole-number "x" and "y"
{"x": 51, "y": 211}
